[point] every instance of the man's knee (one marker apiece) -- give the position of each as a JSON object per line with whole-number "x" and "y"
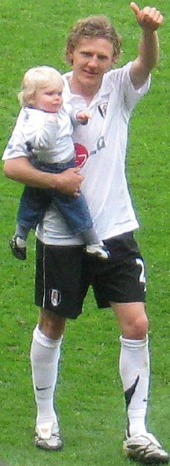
{"x": 51, "y": 324}
{"x": 132, "y": 319}
{"x": 140, "y": 327}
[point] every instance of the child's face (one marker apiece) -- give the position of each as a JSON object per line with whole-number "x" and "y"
{"x": 48, "y": 98}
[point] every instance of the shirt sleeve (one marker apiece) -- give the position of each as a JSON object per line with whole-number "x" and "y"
{"x": 30, "y": 137}
{"x": 120, "y": 81}
{"x": 131, "y": 95}
{"x": 15, "y": 147}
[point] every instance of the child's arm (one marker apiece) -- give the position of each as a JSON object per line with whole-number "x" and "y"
{"x": 83, "y": 117}
{"x": 44, "y": 137}
{"x": 78, "y": 116}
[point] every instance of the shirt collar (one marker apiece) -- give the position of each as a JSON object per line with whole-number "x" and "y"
{"x": 105, "y": 88}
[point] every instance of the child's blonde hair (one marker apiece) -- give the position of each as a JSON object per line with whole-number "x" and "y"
{"x": 37, "y": 78}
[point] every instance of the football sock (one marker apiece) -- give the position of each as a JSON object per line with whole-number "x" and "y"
{"x": 45, "y": 355}
{"x": 135, "y": 371}
{"x": 21, "y": 231}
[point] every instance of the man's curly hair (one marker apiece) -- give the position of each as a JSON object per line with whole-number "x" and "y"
{"x": 96, "y": 26}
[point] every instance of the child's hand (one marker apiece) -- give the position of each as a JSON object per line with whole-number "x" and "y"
{"x": 83, "y": 117}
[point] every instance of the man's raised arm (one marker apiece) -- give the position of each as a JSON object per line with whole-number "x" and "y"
{"x": 149, "y": 20}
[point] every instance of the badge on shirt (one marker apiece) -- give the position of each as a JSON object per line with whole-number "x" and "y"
{"x": 55, "y": 297}
{"x": 103, "y": 109}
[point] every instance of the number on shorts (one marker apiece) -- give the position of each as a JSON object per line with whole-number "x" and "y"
{"x": 142, "y": 278}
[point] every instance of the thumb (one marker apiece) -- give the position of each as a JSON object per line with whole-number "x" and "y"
{"x": 135, "y": 8}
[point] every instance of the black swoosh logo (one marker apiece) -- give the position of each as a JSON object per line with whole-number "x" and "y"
{"x": 43, "y": 388}
{"x": 130, "y": 392}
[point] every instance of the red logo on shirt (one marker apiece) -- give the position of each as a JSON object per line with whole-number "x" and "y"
{"x": 81, "y": 155}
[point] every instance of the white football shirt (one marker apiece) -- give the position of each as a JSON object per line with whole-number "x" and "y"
{"x": 101, "y": 148}
{"x": 101, "y": 153}
{"x": 50, "y": 141}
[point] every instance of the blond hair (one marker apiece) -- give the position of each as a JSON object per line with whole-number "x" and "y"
{"x": 37, "y": 78}
{"x": 96, "y": 26}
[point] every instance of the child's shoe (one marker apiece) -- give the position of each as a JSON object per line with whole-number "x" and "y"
{"x": 18, "y": 247}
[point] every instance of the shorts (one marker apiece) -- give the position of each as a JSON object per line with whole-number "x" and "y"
{"x": 64, "y": 274}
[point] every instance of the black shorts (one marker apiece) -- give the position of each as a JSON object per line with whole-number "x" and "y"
{"x": 64, "y": 274}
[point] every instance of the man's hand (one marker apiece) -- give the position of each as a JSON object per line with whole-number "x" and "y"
{"x": 69, "y": 182}
{"x": 148, "y": 18}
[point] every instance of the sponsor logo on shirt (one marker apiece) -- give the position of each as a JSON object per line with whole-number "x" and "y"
{"x": 81, "y": 155}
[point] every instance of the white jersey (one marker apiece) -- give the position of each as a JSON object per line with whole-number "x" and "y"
{"x": 35, "y": 134}
{"x": 101, "y": 152}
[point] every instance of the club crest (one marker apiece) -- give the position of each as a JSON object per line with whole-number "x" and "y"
{"x": 55, "y": 297}
{"x": 103, "y": 109}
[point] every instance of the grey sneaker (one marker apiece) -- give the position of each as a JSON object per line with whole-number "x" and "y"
{"x": 48, "y": 436}
{"x": 98, "y": 250}
{"x": 145, "y": 448}
{"x": 18, "y": 248}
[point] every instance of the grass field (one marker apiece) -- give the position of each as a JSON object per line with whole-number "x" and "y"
{"x": 90, "y": 401}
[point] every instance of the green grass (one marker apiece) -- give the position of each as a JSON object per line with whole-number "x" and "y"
{"x": 89, "y": 396}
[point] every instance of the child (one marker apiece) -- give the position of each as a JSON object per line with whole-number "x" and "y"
{"x": 44, "y": 132}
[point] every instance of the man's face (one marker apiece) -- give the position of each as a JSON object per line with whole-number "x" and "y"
{"x": 91, "y": 58}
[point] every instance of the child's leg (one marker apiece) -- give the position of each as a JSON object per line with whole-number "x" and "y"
{"x": 77, "y": 216}
{"x": 90, "y": 236}
{"x": 32, "y": 207}
{"x": 76, "y": 213}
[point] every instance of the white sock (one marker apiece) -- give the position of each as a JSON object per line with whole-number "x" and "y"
{"x": 45, "y": 355}
{"x": 21, "y": 243}
{"x": 135, "y": 371}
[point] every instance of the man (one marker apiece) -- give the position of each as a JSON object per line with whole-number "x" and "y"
{"x": 64, "y": 272}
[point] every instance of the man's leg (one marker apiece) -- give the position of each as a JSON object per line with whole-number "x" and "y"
{"x": 59, "y": 288}
{"x": 135, "y": 374}
{"x": 45, "y": 355}
{"x": 134, "y": 363}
